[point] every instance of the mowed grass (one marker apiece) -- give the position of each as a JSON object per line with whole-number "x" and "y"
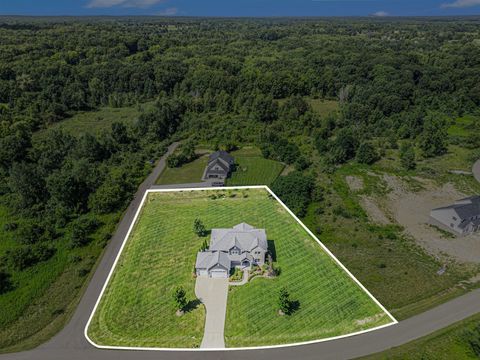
{"x": 137, "y": 309}
{"x": 188, "y": 173}
{"x": 253, "y": 169}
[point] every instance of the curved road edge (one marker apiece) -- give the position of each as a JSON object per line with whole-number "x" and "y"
{"x": 71, "y": 344}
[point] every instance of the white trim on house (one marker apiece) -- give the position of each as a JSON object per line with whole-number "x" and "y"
{"x": 394, "y": 321}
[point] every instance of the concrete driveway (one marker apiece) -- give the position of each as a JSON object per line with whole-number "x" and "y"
{"x": 213, "y": 294}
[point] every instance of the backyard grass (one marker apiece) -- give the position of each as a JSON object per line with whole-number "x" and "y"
{"x": 189, "y": 173}
{"x": 137, "y": 310}
{"x": 253, "y": 169}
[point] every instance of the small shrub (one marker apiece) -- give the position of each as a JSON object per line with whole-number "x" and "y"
{"x": 341, "y": 211}
{"x": 179, "y": 298}
{"x": 29, "y": 233}
{"x": 5, "y": 282}
{"x": 199, "y": 228}
{"x": 83, "y": 272}
{"x": 78, "y": 238}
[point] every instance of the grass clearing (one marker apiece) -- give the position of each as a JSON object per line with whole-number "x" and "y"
{"x": 324, "y": 107}
{"x": 136, "y": 308}
{"x": 253, "y": 168}
{"x": 94, "y": 122}
{"x": 463, "y": 127}
{"x": 187, "y": 173}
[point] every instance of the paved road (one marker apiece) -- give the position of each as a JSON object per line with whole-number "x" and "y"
{"x": 476, "y": 170}
{"x": 213, "y": 294}
{"x": 70, "y": 343}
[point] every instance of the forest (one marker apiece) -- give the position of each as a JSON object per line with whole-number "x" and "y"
{"x": 225, "y": 82}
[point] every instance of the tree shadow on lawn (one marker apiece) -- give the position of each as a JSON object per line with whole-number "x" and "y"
{"x": 294, "y": 306}
{"x": 191, "y": 305}
{"x": 271, "y": 249}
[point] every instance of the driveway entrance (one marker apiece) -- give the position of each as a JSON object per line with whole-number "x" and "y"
{"x": 213, "y": 294}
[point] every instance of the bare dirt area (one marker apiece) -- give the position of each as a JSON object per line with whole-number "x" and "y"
{"x": 354, "y": 183}
{"x": 373, "y": 211}
{"x": 411, "y": 210}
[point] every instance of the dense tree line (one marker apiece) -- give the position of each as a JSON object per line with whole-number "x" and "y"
{"x": 216, "y": 81}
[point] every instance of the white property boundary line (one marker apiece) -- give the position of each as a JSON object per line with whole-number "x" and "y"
{"x": 394, "y": 321}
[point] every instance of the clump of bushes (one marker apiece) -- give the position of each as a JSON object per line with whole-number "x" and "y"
{"x": 295, "y": 190}
{"x": 185, "y": 155}
{"x": 26, "y": 256}
{"x": 5, "y": 281}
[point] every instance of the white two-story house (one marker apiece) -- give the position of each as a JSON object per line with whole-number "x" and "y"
{"x": 242, "y": 246}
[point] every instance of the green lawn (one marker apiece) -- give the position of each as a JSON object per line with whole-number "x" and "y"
{"x": 188, "y": 173}
{"x": 137, "y": 310}
{"x": 463, "y": 126}
{"x": 454, "y": 342}
{"x": 253, "y": 169}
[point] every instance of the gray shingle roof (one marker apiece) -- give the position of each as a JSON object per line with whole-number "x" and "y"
{"x": 213, "y": 163}
{"x": 466, "y": 208}
{"x": 243, "y": 236}
{"x": 222, "y": 155}
{"x": 208, "y": 259}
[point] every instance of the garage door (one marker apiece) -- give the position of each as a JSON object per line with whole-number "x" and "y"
{"x": 218, "y": 274}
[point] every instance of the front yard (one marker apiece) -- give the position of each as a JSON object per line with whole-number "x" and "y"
{"x": 137, "y": 308}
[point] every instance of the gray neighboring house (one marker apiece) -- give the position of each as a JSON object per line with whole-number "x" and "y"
{"x": 219, "y": 166}
{"x": 239, "y": 247}
{"x": 461, "y": 218}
